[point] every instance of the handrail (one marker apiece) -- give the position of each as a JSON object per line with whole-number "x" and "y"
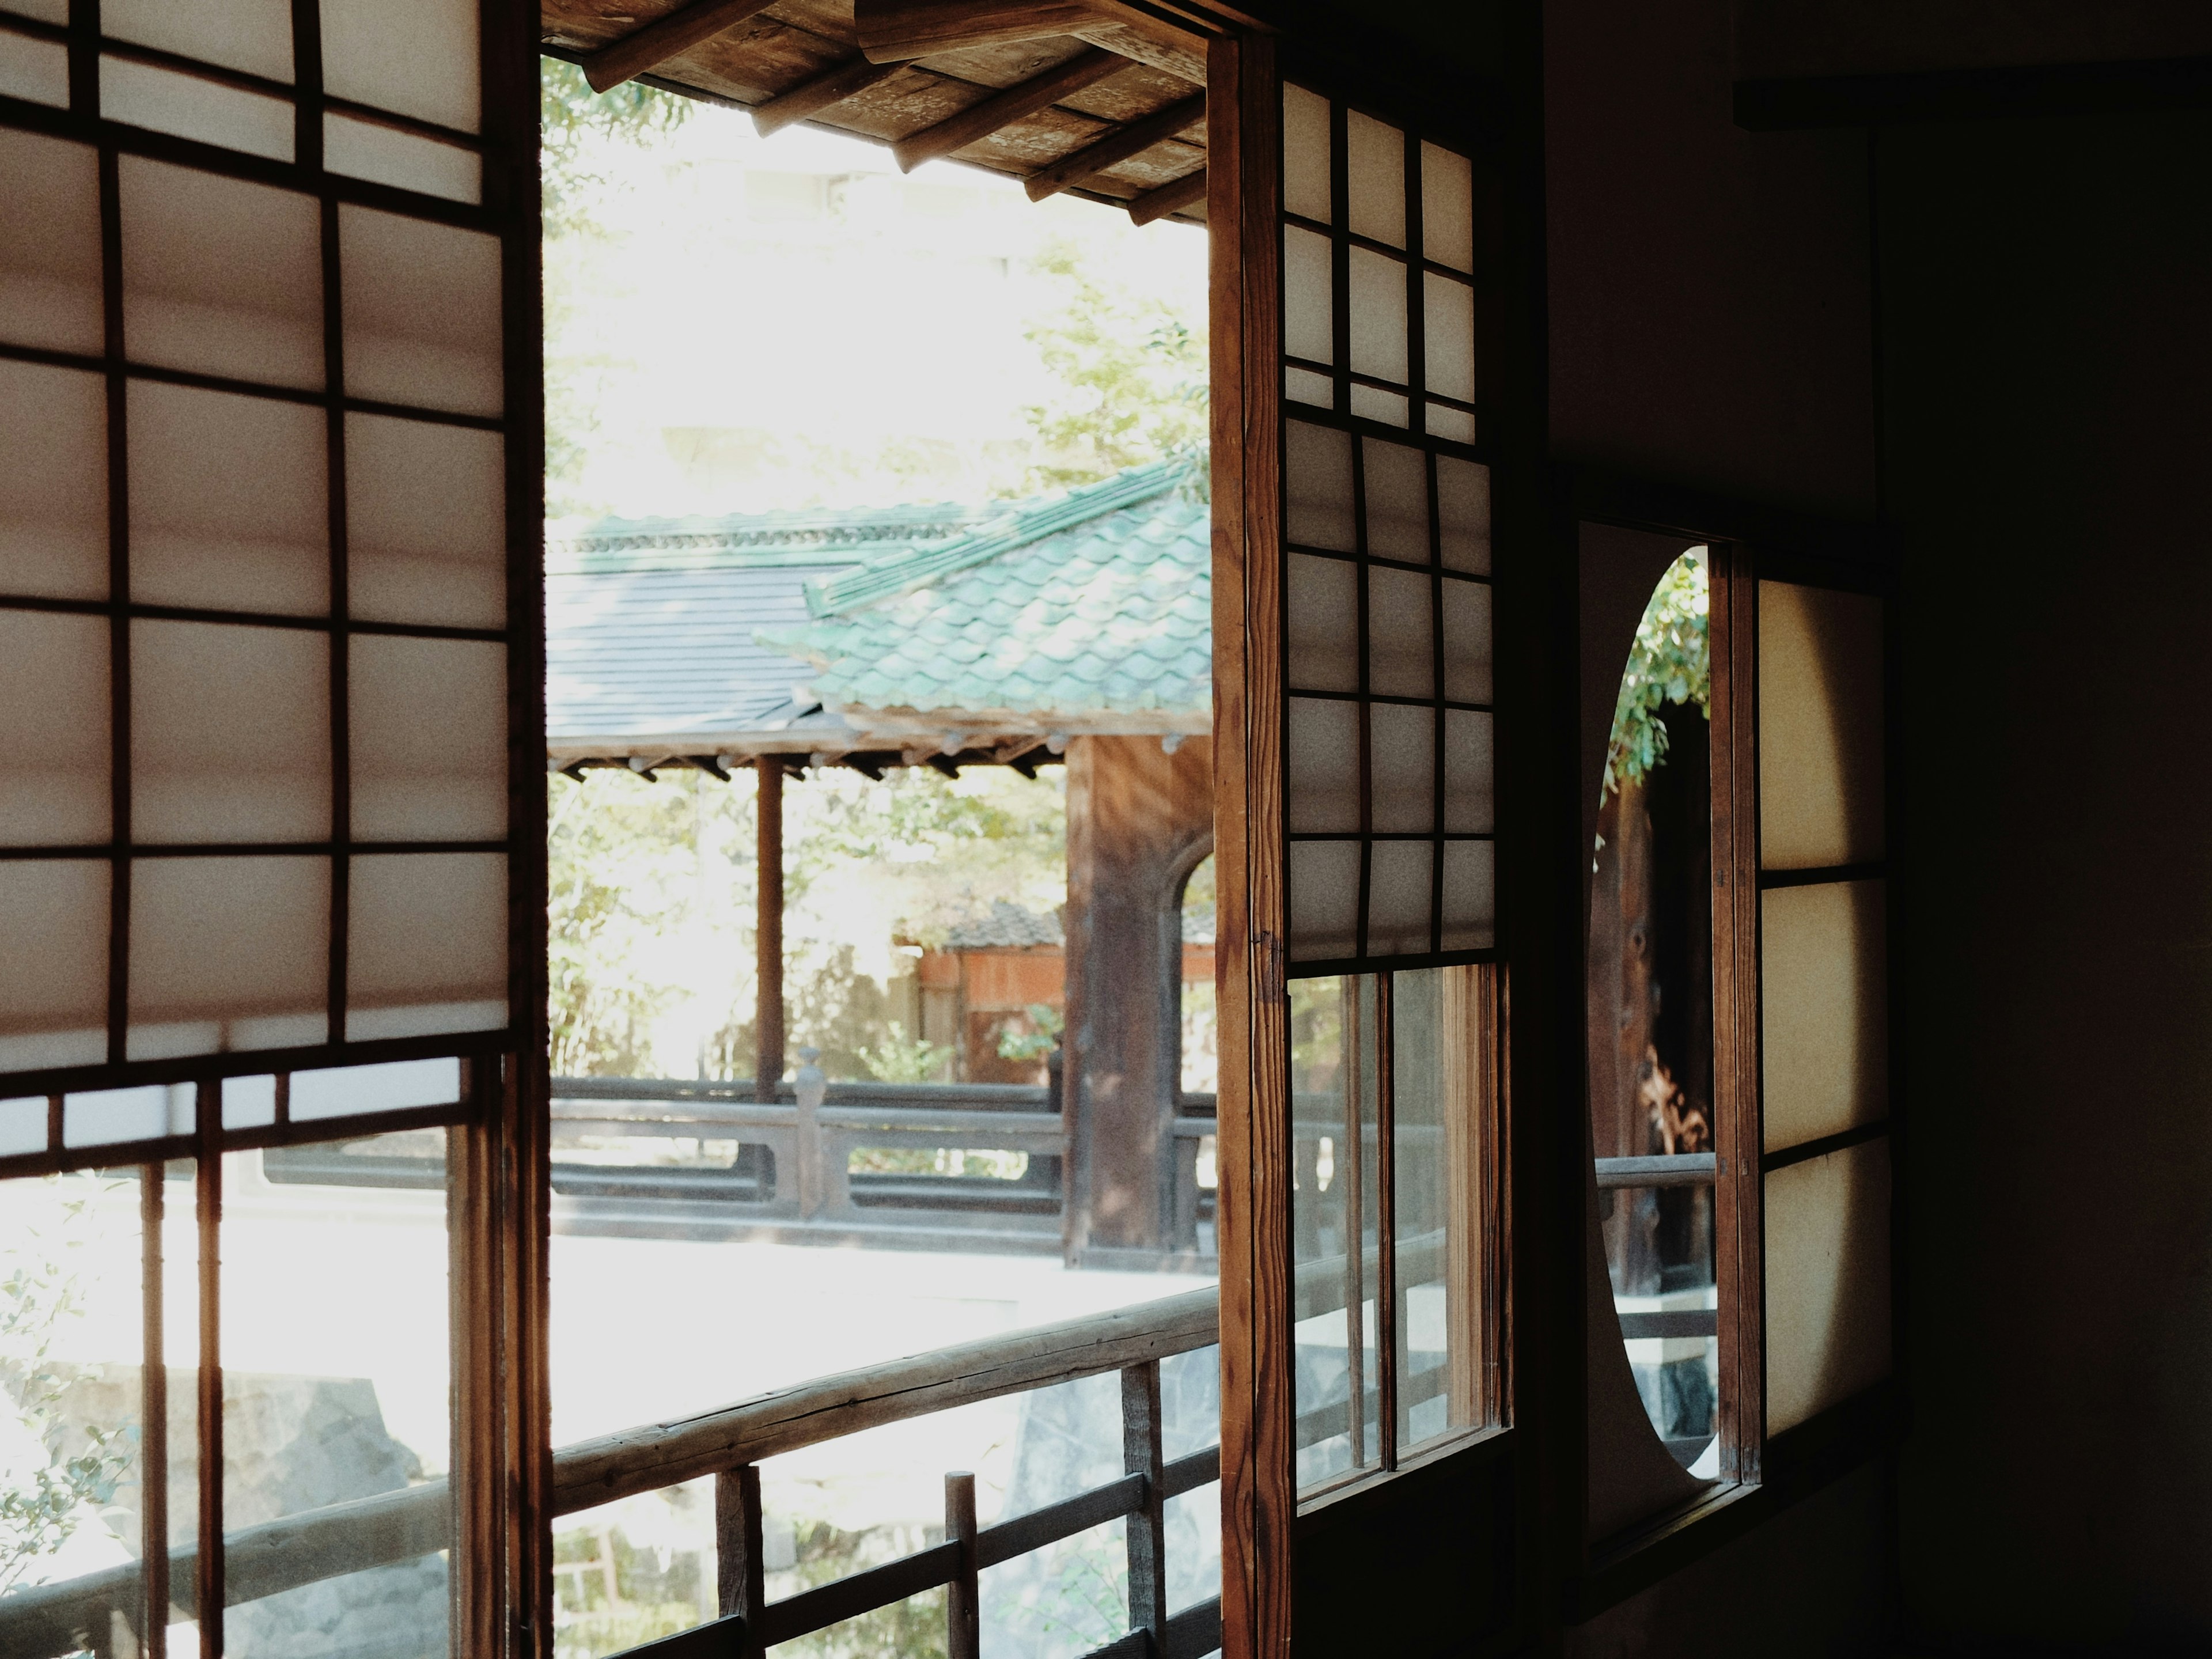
{"x": 1034, "y": 1096}
{"x": 1679, "y": 1170}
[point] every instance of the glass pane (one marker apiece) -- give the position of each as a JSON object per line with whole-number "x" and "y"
{"x": 1396, "y": 481}
{"x": 426, "y": 519}
{"x": 1401, "y": 877}
{"x": 1820, "y": 727}
{"x": 1309, "y": 320}
{"x": 1334, "y": 1214}
{"x": 54, "y": 752}
{"x": 1470, "y": 901}
{"x": 1827, "y": 1281}
{"x": 220, "y": 275}
{"x": 167, "y": 100}
{"x": 426, "y": 950}
{"x": 396, "y": 1085}
{"x": 1375, "y": 155}
{"x": 421, "y": 312}
{"x": 252, "y": 36}
{"x": 34, "y": 70}
{"x": 102, "y": 1117}
{"x": 1324, "y": 899}
{"x": 1439, "y": 1078}
{"x": 230, "y": 733}
{"x": 1378, "y": 315}
{"x": 417, "y": 57}
{"x": 1305, "y": 154}
{"x": 429, "y": 718}
{"x": 1462, "y": 511}
{"x": 228, "y": 502}
{"x": 406, "y": 161}
{"x": 1467, "y": 642}
{"x": 53, "y": 493}
{"x": 53, "y": 977}
{"x": 227, "y": 953}
{"x": 1322, "y": 648}
{"x": 1400, "y": 633}
{"x": 1448, "y": 337}
{"x": 1318, "y": 487}
{"x": 1470, "y": 795}
{"x": 50, "y": 293}
{"x": 337, "y": 1386}
{"x": 249, "y": 1103}
{"x": 1402, "y": 768}
{"x": 1824, "y": 1015}
{"x": 1447, "y": 208}
{"x": 1321, "y": 779}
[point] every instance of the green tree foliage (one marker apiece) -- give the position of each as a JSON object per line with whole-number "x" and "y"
{"x": 1131, "y": 374}
{"x": 1669, "y": 665}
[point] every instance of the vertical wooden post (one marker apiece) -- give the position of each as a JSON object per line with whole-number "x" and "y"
{"x": 1145, "y": 1530}
{"x": 964, "y": 1608}
{"x": 767, "y": 1017}
{"x": 740, "y": 1575}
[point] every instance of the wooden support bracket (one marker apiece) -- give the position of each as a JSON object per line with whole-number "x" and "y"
{"x": 665, "y": 38}
{"x": 979, "y": 121}
{"x": 1172, "y": 196}
{"x": 1116, "y": 148}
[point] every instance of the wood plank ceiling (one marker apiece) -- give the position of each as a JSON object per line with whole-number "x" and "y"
{"x": 1101, "y": 102}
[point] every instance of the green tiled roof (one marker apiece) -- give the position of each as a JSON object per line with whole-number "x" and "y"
{"x": 1097, "y": 603}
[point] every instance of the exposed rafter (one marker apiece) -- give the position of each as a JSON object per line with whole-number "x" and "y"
{"x": 898, "y": 31}
{"x": 1116, "y": 148}
{"x": 979, "y": 121}
{"x": 1162, "y": 49}
{"x": 833, "y": 86}
{"x": 1170, "y": 197}
{"x": 663, "y": 38}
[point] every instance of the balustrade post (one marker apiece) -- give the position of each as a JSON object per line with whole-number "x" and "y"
{"x": 810, "y": 1087}
{"x": 1145, "y": 1531}
{"x": 963, "y": 1613}
{"x": 740, "y": 1577}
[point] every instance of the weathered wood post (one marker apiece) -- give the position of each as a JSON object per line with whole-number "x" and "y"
{"x": 767, "y": 994}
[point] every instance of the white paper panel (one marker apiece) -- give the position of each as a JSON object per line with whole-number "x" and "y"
{"x": 1824, "y": 1009}
{"x": 229, "y": 733}
{"x": 1303, "y": 385}
{"x": 1400, "y": 633}
{"x": 1378, "y": 315}
{"x": 1323, "y": 596}
{"x": 394, "y": 1087}
{"x": 252, "y": 36}
{"x": 1321, "y": 782}
{"x": 421, "y": 312}
{"x": 53, "y": 488}
{"x": 1397, "y": 485}
{"x": 1820, "y": 791}
{"x": 1308, "y": 328}
{"x": 1462, "y": 512}
{"x": 427, "y": 949}
{"x": 22, "y": 1125}
{"x": 428, "y": 722}
{"x": 1827, "y": 1282}
{"x": 1447, "y": 208}
{"x": 166, "y": 101}
{"x": 1455, "y": 425}
{"x": 36, "y": 71}
{"x": 407, "y": 160}
{"x": 249, "y": 1103}
{"x": 1375, "y": 158}
{"x": 1400, "y": 875}
{"x": 228, "y": 509}
{"x": 1305, "y": 154}
{"x": 419, "y": 57}
{"x": 45, "y": 11}
{"x": 1448, "y": 337}
{"x": 1402, "y": 767}
{"x": 54, "y": 766}
{"x": 1324, "y": 899}
{"x": 105, "y": 1118}
{"x": 1470, "y": 790}
{"x": 53, "y": 975}
{"x": 50, "y": 292}
{"x": 227, "y": 953}
{"x": 1470, "y": 895}
{"x": 220, "y": 275}
{"x": 1373, "y": 404}
{"x": 1318, "y": 487}
{"x": 425, "y": 523}
{"x": 1467, "y": 642}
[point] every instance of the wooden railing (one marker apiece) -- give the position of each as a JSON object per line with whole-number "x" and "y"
{"x": 49, "y": 1621}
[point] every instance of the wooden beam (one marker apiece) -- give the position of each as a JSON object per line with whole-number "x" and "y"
{"x": 833, "y": 86}
{"x": 1162, "y": 49}
{"x": 768, "y": 930}
{"x": 979, "y": 121}
{"x": 898, "y": 31}
{"x": 1177, "y": 193}
{"x": 663, "y": 38}
{"x": 1116, "y": 148}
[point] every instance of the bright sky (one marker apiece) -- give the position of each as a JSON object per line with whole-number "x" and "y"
{"x": 789, "y": 321}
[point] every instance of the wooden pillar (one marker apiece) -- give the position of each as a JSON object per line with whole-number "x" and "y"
{"x": 768, "y": 1018}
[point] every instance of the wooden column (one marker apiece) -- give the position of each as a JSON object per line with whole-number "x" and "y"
{"x": 768, "y": 1019}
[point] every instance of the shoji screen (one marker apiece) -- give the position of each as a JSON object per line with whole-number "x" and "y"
{"x": 1823, "y": 980}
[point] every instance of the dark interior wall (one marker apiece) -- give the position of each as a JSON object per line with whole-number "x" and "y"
{"x": 1708, "y": 287}
{"x": 2047, "y": 307}
{"x": 1861, "y": 37}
